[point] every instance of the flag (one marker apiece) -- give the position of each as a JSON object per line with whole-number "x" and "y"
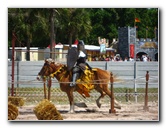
{"x": 137, "y": 20}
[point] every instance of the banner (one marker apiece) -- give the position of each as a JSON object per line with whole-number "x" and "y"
{"x": 132, "y": 50}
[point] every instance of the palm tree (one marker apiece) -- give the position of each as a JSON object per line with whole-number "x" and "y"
{"x": 77, "y": 23}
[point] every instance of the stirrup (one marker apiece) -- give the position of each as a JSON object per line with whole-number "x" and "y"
{"x": 72, "y": 84}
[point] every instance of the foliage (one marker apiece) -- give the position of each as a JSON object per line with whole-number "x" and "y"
{"x": 32, "y": 25}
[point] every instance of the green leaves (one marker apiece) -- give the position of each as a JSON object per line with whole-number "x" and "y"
{"x": 78, "y": 23}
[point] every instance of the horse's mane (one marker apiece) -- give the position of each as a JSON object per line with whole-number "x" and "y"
{"x": 57, "y": 64}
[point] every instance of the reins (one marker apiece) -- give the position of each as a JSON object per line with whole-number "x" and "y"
{"x": 62, "y": 72}
{"x": 59, "y": 71}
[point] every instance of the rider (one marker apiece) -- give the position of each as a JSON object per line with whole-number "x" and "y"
{"x": 80, "y": 64}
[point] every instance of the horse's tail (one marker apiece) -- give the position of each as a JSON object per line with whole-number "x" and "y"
{"x": 106, "y": 75}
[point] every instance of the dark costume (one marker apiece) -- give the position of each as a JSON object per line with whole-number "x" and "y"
{"x": 76, "y": 61}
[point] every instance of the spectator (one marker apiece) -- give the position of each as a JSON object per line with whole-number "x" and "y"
{"x": 131, "y": 59}
{"x": 144, "y": 58}
{"x": 126, "y": 59}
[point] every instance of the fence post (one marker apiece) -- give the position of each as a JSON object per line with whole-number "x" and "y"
{"x": 146, "y": 108}
{"x": 18, "y": 73}
{"x": 49, "y": 88}
{"x": 44, "y": 88}
{"x": 135, "y": 77}
{"x": 112, "y": 110}
{"x": 13, "y": 50}
{"x": 128, "y": 91}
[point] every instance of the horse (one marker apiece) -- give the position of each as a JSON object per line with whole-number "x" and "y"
{"x": 96, "y": 78}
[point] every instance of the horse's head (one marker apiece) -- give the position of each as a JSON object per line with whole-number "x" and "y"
{"x": 46, "y": 70}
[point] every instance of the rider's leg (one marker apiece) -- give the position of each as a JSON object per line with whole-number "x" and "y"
{"x": 76, "y": 75}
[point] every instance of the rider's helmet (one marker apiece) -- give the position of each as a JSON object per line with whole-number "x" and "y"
{"x": 81, "y": 45}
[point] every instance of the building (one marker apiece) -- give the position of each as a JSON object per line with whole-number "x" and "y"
{"x": 93, "y": 51}
{"x": 59, "y": 52}
{"x": 20, "y": 54}
{"x": 130, "y": 46}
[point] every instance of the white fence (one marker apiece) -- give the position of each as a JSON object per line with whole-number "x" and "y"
{"x": 131, "y": 73}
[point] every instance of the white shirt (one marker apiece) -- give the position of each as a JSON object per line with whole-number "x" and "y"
{"x": 82, "y": 54}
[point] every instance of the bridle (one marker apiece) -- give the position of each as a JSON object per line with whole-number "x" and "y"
{"x": 46, "y": 69}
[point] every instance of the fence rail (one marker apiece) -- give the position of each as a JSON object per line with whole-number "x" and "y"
{"x": 132, "y": 75}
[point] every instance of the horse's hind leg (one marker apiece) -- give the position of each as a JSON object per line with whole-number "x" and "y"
{"x": 101, "y": 96}
{"x": 108, "y": 92}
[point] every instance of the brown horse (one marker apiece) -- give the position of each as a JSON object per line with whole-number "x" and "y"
{"x": 97, "y": 79}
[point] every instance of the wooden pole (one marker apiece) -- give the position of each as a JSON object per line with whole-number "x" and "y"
{"x": 49, "y": 88}
{"x": 45, "y": 97}
{"x": 146, "y": 108}
{"x": 13, "y": 49}
{"x": 112, "y": 110}
{"x": 127, "y": 95}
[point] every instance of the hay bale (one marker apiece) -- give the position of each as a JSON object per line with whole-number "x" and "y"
{"x": 12, "y": 111}
{"x": 45, "y": 110}
{"x": 18, "y": 101}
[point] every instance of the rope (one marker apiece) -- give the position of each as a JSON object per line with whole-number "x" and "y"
{"x": 91, "y": 82}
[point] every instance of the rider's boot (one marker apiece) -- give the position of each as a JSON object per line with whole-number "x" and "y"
{"x": 75, "y": 77}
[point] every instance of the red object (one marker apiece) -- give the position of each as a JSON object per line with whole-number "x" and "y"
{"x": 76, "y": 42}
{"x": 53, "y": 45}
{"x": 137, "y": 20}
{"x": 132, "y": 50}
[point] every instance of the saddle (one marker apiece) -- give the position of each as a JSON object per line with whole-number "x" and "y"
{"x": 85, "y": 82}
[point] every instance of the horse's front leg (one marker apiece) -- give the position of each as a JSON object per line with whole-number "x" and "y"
{"x": 71, "y": 100}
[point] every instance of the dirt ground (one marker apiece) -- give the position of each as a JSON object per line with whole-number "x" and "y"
{"x": 128, "y": 112}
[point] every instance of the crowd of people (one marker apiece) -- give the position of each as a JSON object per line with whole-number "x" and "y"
{"x": 143, "y": 58}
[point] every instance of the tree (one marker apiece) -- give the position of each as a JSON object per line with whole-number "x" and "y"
{"x": 22, "y": 24}
{"x": 32, "y": 25}
{"x": 76, "y": 23}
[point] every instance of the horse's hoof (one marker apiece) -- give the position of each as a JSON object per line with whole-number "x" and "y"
{"x": 71, "y": 112}
{"x": 83, "y": 95}
{"x": 98, "y": 105}
{"x": 118, "y": 107}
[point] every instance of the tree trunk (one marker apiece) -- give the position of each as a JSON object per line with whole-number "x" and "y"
{"x": 52, "y": 33}
{"x": 28, "y": 50}
{"x": 70, "y": 39}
